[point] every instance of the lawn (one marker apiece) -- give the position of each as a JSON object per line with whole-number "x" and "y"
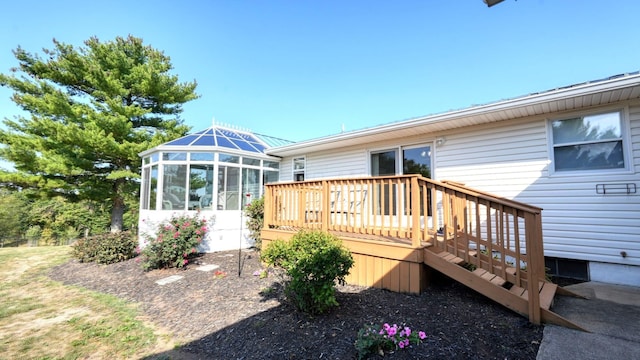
{"x": 43, "y": 319}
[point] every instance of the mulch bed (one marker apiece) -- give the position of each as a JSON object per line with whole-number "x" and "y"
{"x": 247, "y": 317}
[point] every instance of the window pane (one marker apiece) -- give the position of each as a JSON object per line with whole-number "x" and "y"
{"x": 270, "y": 176}
{"x": 298, "y": 164}
{"x": 586, "y": 129}
{"x": 383, "y": 163}
{"x": 153, "y": 188}
{"x": 250, "y": 184}
{"x": 174, "y": 156}
{"x": 250, "y": 161}
{"x": 149, "y": 187}
{"x": 228, "y": 158}
{"x": 174, "y": 187}
{"x": 201, "y": 187}
{"x": 201, "y": 156}
{"x": 417, "y": 161}
{"x": 228, "y": 188}
{"x": 607, "y": 155}
{"x": 271, "y": 164}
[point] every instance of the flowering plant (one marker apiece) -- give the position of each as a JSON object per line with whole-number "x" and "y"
{"x": 373, "y": 339}
{"x": 175, "y": 242}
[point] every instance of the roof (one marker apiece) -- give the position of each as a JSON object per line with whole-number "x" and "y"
{"x": 219, "y": 137}
{"x": 588, "y": 94}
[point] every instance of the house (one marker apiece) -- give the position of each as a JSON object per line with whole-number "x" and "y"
{"x": 573, "y": 152}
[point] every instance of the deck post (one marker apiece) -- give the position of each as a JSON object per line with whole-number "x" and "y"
{"x": 535, "y": 263}
{"x": 415, "y": 213}
{"x": 268, "y": 209}
{"x": 326, "y": 206}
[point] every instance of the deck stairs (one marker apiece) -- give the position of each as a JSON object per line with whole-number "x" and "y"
{"x": 495, "y": 287}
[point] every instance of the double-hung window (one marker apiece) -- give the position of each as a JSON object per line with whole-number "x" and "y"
{"x": 591, "y": 142}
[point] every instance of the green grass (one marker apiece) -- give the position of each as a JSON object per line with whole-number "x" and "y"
{"x": 44, "y": 319}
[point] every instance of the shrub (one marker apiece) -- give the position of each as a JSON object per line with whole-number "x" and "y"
{"x": 313, "y": 261}
{"x": 175, "y": 242}
{"x": 255, "y": 212}
{"x": 106, "y": 248}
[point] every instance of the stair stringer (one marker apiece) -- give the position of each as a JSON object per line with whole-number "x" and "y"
{"x": 494, "y": 292}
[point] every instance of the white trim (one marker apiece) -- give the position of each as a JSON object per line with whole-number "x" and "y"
{"x": 295, "y": 171}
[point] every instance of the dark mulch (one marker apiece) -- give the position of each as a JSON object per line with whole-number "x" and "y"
{"x": 246, "y": 317}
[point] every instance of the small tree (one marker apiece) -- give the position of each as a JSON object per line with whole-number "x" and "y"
{"x": 314, "y": 261}
{"x": 255, "y": 212}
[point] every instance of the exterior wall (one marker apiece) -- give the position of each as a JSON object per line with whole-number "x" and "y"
{"x": 225, "y": 229}
{"x": 332, "y": 164}
{"x": 512, "y": 159}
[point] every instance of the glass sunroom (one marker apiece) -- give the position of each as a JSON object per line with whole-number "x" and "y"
{"x": 216, "y": 171}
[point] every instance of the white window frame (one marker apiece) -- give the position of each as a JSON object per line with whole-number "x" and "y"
{"x": 625, "y": 137}
{"x": 302, "y": 171}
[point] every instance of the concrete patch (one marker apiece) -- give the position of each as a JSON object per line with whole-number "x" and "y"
{"x": 169, "y": 279}
{"x": 209, "y": 267}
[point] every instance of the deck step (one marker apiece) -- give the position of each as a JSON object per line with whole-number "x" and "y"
{"x": 492, "y": 278}
{"x": 547, "y": 292}
{"x": 451, "y": 258}
{"x": 493, "y": 286}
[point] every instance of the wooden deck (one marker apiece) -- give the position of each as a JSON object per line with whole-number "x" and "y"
{"x": 400, "y": 228}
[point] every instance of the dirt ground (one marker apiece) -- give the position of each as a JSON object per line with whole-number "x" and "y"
{"x": 231, "y": 313}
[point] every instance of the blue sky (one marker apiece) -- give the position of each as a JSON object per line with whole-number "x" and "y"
{"x": 304, "y": 69}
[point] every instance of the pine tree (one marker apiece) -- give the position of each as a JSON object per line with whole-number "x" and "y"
{"x": 91, "y": 110}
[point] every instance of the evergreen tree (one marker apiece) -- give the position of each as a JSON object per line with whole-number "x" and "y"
{"x": 91, "y": 110}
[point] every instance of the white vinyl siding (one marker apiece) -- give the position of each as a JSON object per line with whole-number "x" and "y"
{"x": 328, "y": 165}
{"x": 513, "y": 161}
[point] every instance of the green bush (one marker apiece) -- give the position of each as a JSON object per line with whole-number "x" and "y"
{"x": 255, "y": 212}
{"x": 175, "y": 242}
{"x": 314, "y": 261}
{"x": 106, "y": 248}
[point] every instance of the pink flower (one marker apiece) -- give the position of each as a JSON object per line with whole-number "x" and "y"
{"x": 197, "y": 231}
{"x": 406, "y": 342}
{"x": 185, "y": 262}
{"x": 392, "y": 331}
{"x": 407, "y": 331}
{"x": 187, "y": 224}
{"x": 193, "y": 250}
{"x": 203, "y": 228}
{"x": 401, "y": 344}
{"x": 177, "y": 233}
{"x": 422, "y": 335}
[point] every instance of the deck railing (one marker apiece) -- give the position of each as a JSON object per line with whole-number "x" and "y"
{"x": 501, "y": 236}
